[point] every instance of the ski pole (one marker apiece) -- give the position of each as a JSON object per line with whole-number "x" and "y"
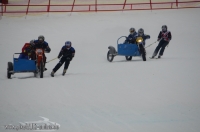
{"x": 151, "y": 44}
{"x": 51, "y": 60}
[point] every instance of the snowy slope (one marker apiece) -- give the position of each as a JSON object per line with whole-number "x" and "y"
{"x": 99, "y": 96}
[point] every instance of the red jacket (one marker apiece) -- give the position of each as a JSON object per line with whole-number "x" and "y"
{"x": 26, "y": 48}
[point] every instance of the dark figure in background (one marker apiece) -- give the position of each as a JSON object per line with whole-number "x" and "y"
{"x": 67, "y": 52}
{"x": 164, "y": 37}
{"x": 40, "y": 43}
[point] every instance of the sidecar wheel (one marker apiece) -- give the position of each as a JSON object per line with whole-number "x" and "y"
{"x": 110, "y": 57}
{"x": 9, "y": 68}
{"x": 35, "y": 74}
{"x": 128, "y": 58}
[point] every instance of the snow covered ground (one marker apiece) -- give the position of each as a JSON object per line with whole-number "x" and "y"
{"x": 96, "y": 95}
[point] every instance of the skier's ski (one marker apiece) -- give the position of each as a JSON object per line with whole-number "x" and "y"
{"x": 152, "y": 58}
{"x": 155, "y": 58}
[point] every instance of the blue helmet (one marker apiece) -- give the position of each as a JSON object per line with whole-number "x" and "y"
{"x": 68, "y": 44}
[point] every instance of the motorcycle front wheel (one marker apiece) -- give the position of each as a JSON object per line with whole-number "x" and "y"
{"x": 41, "y": 69}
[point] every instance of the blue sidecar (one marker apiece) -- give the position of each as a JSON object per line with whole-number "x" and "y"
{"x": 20, "y": 66}
{"x": 126, "y": 49}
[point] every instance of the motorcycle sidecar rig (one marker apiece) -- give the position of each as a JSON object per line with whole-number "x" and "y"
{"x": 21, "y": 66}
{"x": 128, "y": 50}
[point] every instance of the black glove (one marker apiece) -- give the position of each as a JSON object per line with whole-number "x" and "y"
{"x": 47, "y": 50}
{"x": 58, "y": 57}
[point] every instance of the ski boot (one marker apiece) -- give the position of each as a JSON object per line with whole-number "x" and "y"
{"x": 152, "y": 57}
{"x": 64, "y": 71}
{"x": 52, "y": 73}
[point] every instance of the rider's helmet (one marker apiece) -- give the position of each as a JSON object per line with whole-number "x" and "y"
{"x": 140, "y": 32}
{"x": 164, "y": 28}
{"x": 68, "y": 44}
{"x": 41, "y": 39}
{"x": 132, "y": 30}
{"x": 32, "y": 43}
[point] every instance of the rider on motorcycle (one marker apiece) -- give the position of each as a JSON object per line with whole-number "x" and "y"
{"x": 141, "y": 34}
{"x": 40, "y": 43}
{"x": 144, "y": 37}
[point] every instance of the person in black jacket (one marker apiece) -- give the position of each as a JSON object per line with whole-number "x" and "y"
{"x": 67, "y": 52}
{"x": 164, "y": 37}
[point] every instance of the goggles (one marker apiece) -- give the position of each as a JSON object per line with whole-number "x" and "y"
{"x": 67, "y": 44}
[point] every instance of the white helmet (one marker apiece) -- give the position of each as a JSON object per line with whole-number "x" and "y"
{"x": 41, "y": 38}
{"x": 164, "y": 28}
{"x": 132, "y": 30}
{"x": 140, "y": 32}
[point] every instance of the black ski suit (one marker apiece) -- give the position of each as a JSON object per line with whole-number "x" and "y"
{"x": 164, "y": 38}
{"x": 67, "y": 55}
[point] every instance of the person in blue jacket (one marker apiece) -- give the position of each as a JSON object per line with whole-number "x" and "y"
{"x": 40, "y": 43}
{"x": 66, "y": 54}
{"x": 131, "y": 36}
